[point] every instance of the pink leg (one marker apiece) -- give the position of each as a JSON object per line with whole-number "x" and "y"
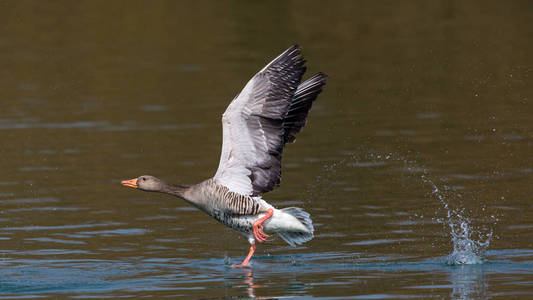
{"x": 247, "y": 259}
{"x": 259, "y": 235}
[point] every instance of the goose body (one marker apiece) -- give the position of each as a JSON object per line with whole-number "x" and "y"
{"x": 239, "y": 212}
{"x": 257, "y": 124}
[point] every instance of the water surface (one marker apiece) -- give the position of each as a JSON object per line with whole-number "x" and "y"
{"x": 419, "y": 148}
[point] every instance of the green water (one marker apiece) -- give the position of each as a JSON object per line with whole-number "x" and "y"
{"x": 94, "y": 92}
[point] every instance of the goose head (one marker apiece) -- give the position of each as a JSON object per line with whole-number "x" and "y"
{"x": 146, "y": 183}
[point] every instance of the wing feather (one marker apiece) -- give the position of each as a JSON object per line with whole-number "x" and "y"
{"x": 304, "y": 97}
{"x": 260, "y": 120}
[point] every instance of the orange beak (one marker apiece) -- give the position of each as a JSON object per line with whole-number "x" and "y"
{"x": 130, "y": 183}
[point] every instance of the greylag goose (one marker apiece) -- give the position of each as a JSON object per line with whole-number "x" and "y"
{"x": 257, "y": 124}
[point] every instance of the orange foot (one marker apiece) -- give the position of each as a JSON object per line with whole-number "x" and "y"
{"x": 246, "y": 261}
{"x": 259, "y": 234}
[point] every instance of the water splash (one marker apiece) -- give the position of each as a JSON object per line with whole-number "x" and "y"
{"x": 466, "y": 250}
{"x": 469, "y": 242}
{"x": 470, "y": 239}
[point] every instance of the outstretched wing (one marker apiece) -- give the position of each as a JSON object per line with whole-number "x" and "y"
{"x": 254, "y": 128}
{"x": 304, "y": 97}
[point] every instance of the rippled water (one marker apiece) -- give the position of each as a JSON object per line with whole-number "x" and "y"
{"x": 415, "y": 164}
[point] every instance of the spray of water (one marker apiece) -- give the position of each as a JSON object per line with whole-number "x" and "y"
{"x": 469, "y": 242}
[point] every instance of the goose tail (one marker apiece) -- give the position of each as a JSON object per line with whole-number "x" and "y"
{"x": 297, "y": 237}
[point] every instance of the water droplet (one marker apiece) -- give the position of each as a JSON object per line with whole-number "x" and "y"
{"x": 469, "y": 243}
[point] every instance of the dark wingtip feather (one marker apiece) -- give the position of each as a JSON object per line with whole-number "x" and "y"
{"x": 276, "y": 85}
{"x": 305, "y": 95}
{"x": 323, "y": 76}
{"x": 282, "y": 113}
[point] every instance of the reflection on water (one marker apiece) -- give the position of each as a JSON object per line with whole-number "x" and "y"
{"x": 468, "y": 282}
{"x": 251, "y": 286}
{"x": 176, "y": 276}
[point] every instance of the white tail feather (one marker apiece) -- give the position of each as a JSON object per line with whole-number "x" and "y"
{"x": 299, "y": 236}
